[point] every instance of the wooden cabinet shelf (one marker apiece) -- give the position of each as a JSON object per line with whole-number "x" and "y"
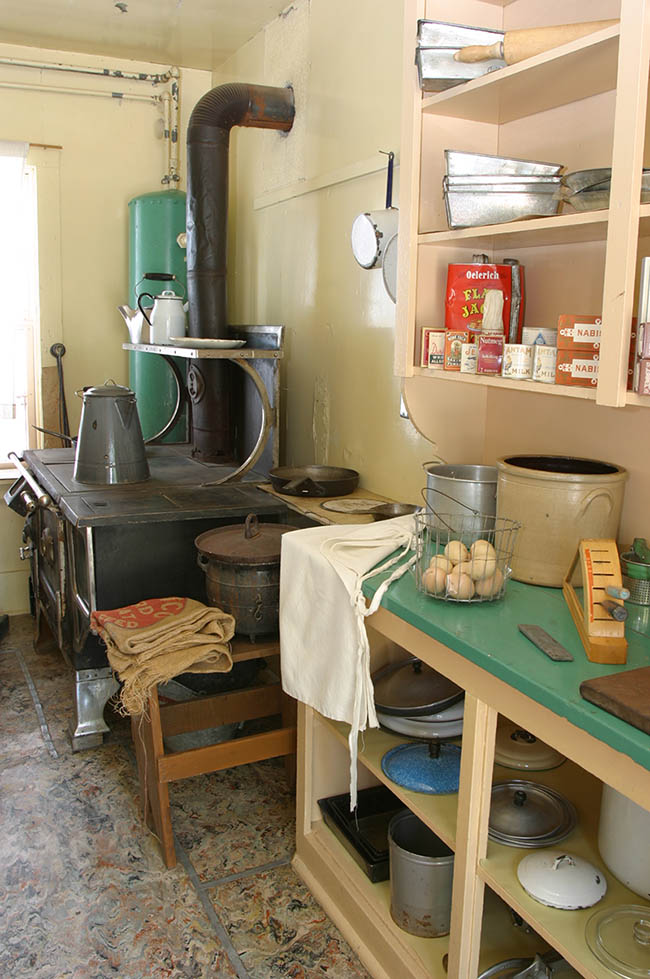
{"x": 439, "y": 811}
{"x": 566, "y": 74}
{"x": 581, "y": 105}
{"x": 528, "y": 387}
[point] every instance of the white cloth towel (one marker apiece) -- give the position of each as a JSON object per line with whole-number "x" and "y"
{"x": 325, "y": 654}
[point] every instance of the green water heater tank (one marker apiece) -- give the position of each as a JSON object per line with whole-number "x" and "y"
{"x": 155, "y": 221}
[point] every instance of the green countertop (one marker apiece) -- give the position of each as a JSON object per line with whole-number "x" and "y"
{"x": 487, "y": 634}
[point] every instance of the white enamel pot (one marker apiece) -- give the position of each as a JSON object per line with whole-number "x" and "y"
{"x": 624, "y": 840}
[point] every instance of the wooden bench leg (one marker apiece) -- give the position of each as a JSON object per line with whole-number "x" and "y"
{"x": 147, "y": 737}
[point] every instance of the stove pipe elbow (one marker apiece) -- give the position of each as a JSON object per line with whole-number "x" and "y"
{"x": 208, "y": 137}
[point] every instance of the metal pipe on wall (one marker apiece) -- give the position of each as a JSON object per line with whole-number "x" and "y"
{"x": 139, "y": 76}
{"x": 208, "y": 137}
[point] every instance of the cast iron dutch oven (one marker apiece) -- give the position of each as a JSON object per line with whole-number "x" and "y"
{"x": 313, "y": 480}
{"x": 242, "y": 569}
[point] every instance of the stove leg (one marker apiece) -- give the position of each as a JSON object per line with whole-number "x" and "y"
{"x": 92, "y": 690}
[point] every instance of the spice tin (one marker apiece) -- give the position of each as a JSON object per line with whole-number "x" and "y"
{"x": 577, "y": 368}
{"x": 453, "y": 345}
{"x": 433, "y": 348}
{"x": 544, "y": 361}
{"x": 517, "y": 361}
{"x": 468, "y": 355}
{"x": 490, "y": 353}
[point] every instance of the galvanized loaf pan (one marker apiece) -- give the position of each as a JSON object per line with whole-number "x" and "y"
{"x": 434, "y": 55}
{"x": 460, "y": 164}
{"x": 472, "y": 204}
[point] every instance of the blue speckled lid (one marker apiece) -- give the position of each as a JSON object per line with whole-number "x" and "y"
{"x": 413, "y": 767}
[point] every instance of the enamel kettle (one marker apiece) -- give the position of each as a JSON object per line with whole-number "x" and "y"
{"x": 110, "y": 447}
{"x": 167, "y": 318}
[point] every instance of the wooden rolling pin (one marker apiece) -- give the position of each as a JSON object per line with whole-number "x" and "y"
{"x": 525, "y": 43}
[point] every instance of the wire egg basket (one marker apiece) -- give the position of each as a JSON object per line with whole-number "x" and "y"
{"x": 463, "y": 558}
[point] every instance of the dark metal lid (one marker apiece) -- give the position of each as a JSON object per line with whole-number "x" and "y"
{"x": 411, "y": 688}
{"x": 526, "y": 813}
{"x": 250, "y": 542}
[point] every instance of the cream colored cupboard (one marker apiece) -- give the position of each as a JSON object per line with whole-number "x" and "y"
{"x": 582, "y": 105}
{"x": 482, "y": 928}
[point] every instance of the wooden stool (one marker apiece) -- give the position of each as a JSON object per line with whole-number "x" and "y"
{"x": 156, "y": 768}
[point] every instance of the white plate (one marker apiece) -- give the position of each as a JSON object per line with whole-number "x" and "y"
{"x": 206, "y": 343}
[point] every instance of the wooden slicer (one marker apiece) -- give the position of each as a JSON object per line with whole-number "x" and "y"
{"x": 602, "y": 636}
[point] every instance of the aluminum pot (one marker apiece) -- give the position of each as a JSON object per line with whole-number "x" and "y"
{"x": 242, "y": 568}
{"x": 421, "y": 872}
{"x": 110, "y": 448}
{"x": 558, "y": 500}
{"x": 460, "y": 490}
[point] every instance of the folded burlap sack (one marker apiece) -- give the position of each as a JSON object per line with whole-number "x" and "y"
{"x": 155, "y": 640}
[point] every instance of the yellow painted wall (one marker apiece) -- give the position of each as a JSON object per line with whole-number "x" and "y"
{"x": 291, "y": 212}
{"x": 110, "y": 154}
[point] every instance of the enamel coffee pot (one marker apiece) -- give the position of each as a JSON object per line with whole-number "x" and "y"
{"x": 167, "y": 317}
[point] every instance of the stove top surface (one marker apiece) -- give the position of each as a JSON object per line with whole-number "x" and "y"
{"x": 176, "y": 490}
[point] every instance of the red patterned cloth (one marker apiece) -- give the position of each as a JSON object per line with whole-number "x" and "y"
{"x": 155, "y": 640}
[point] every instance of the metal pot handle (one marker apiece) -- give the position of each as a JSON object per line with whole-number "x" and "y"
{"x": 202, "y": 560}
{"x": 427, "y": 489}
{"x": 251, "y": 526}
{"x": 438, "y": 459}
{"x": 593, "y": 495}
{"x": 141, "y": 307}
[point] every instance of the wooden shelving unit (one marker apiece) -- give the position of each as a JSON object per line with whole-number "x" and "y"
{"x": 582, "y": 105}
{"x": 477, "y": 939}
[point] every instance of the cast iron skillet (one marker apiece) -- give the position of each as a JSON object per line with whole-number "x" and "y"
{"x": 313, "y": 480}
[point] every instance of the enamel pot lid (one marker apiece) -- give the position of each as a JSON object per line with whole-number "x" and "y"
{"x": 561, "y": 880}
{"x": 517, "y": 748}
{"x": 529, "y": 815}
{"x": 619, "y": 937}
{"x": 412, "y": 689}
{"x": 248, "y": 543}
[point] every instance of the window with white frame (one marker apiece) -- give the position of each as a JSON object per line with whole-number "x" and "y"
{"x": 19, "y": 305}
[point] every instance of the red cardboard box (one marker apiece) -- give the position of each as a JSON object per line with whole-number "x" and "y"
{"x": 578, "y": 332}
{"x": 489, "y": 358}
{"x": 433, "y": 347}
{"x": 577, "y": 368}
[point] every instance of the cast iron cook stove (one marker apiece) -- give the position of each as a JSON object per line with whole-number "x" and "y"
{"x": 100, "y": 547}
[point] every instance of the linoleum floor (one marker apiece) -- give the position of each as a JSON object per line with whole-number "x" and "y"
{"x": 85, "y": 892}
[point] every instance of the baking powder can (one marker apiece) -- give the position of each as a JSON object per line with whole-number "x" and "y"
{"x": 468, "y": 354}
{"x": 544, "y": 360}
{"x": 517, "y": 361}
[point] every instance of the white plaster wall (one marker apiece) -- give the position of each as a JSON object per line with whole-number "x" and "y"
{"x": 291, "y": 212}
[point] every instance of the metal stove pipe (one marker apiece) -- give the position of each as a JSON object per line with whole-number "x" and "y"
{"x": 208, "y": 138}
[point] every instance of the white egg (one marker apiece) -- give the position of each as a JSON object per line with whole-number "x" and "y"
{"x": 434, "y": 580}
{"x": 483, "y": 548}
{"x": 482, "y": 566}
{"x": 456, "y": 551}
{"x": 459, "y": 585}
{"x": 490, "y": 586}
{"x": 442, "y": 562}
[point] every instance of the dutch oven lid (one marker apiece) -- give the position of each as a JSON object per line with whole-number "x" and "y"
{"x": 248, "y": 543}
{"x": 529, "y": 814}
{"x": 411, "y": 688}
{"x": 517, "y": 748}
